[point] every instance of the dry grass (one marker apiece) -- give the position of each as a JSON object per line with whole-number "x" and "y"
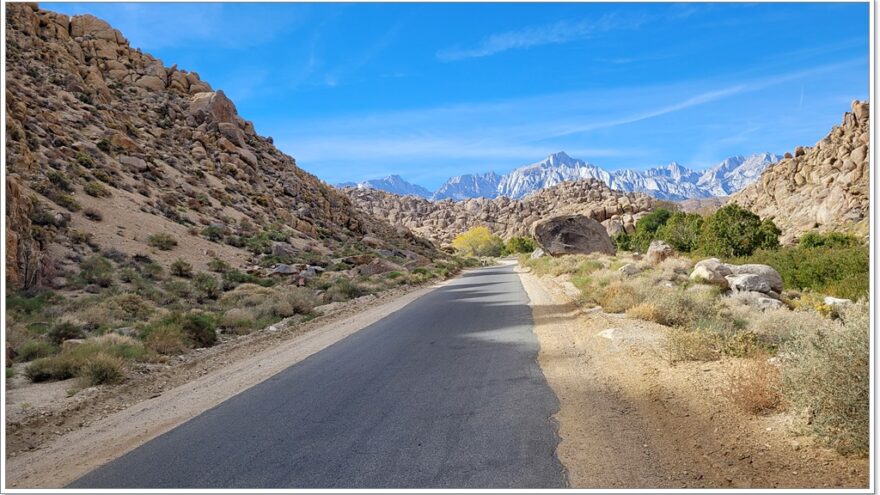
{"x": 686, "y": 345}
{"x": 251, "y": 307}
{"x": 826, "y": 373}
{"x": 167, "y": 340}
{"x": 620, "y": 296}
{"x": 753, "y": 385}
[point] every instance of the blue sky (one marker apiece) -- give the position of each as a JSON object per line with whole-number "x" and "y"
{"x": 359, "y": 91}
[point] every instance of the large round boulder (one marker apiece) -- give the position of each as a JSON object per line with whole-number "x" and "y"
{"x": 572, "y": 234}
{"x": 767, "y": 273}
{"x": 711, "y": 271}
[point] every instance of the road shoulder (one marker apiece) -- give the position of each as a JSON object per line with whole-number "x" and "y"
{"x": 629, "y": 419}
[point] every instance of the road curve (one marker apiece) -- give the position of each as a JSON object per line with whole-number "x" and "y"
{"x": 444, "y": 393}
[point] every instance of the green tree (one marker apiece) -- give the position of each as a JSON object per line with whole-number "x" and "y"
{"x": 478, "y": 241}
{"x": 647, "y": 227}
{"x": 734, "y": 231}
{"x": 516, "y": 245}
{"x": 682, "y": 231}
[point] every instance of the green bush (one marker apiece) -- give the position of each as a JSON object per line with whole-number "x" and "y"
{"x": 827, "y": 373}
{"x": 96, "y": 189}
{"x": 162, "y": 241}
{"x": 344, "y": 289}
{"x": 682, "y": 231}
{"x": 180, "y": 268}
{"x": 647, "y": 227}
{"x": 837, "y": 271}
{"x": 34, "y": 349}
{"x": 64, "y": 331}
{"x": 516, "y": 245}
{"x": 200, "y": 329}
{"x": 218, "y": 266}
{"x": 58, "y": 367}
{"x": 97, "y": 270}
{"x": 206, "y": 286}
{"x": 734, "y": 231}
{"x": 830, "y": 240}
{"x": 60, "y": 181}
{"x": 213, "y": 233}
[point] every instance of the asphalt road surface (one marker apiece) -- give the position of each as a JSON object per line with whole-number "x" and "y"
{"x": 444, "y": 393}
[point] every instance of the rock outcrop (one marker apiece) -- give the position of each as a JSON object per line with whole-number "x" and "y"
{"x": 98, "y": 129}
{"x": 572, "y": 234}
{"x": 441, "y": 221}
{"x": 821, "y": 188}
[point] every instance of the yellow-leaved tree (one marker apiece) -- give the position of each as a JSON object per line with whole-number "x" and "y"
{"x": 478, "y": 241}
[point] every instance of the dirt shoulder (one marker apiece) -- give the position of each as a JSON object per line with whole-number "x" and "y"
{"x": 50, "y": 447}
{"x": 630, "y": 419}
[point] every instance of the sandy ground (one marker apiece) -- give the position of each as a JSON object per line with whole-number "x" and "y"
{"x": 629, "y": 419}
{"x": 52, "y": 447}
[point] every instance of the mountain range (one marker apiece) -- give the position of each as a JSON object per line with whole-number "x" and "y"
{"x": 671, "y": 182}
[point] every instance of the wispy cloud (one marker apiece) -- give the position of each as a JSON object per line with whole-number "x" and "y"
{"x": 546, "y": 34}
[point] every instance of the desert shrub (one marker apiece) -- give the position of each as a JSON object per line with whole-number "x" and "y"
{"x": 200, "y": 329}
{"x": 104, "y": 145}
{"x": 93, "y": 214}
{"x": 233, "y": 278}
{"x": 826, "y": 373}
{"x": 620, "y": 296}
{"x": 206, "y": 286}
{"x": 34, "y": 349}
{"x": 151, "y": 270}
{"x": 59, "y": 181}
{"x": 775, "y": 327}
{"x": 30, "y": 303}
{"x": 166, "y": 339}
{"x": 196, "y": 329}
{"x": 344, "y": 289}
{"x": 60, "y": 367}
{"x": 97, "y": 270}
{"x": 128, "y": 275}
{"x": 162, "y": 241}
{"x": 681, "y": 231}
{"x": 239, "y": 320}
{"x": 838, "y": 271}
{"x": 64, "y": 331}
{"x": 213, "y": 233}
{"x": 734, "y": 231}
{"x": 829, "y": 240}
{"x": 180, "y": 268}
{"x": 516, "y": 245}
{"x": 120, "y": 346}
{"x": 115, "y": 310}
{"x": 478, "y": 241}
{"x": 218, "y": 266}
{"x": 100, "y": 369}
{"x": 300, "y": 299}
{"x": 688, "y": 345}
{"x": 84, "y": 160}
{"x": 753, "y": 386}
{"x": 96, "y": 189}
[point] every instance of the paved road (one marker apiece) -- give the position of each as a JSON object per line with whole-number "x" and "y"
{"x": 443, "y": 393}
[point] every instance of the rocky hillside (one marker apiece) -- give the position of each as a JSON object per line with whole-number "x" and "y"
{"x": 825, "y": 187}
{"x": 441, "y": 221}
{"x": 106, "y": 147}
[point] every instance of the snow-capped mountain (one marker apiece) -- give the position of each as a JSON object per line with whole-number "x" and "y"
{"x": 735, "y": 173}
{"x": 672, "y": 182}
{"x": 550, "y": 171}
{"x": 393, "y": 183}
{"x": 469, "y": 186}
